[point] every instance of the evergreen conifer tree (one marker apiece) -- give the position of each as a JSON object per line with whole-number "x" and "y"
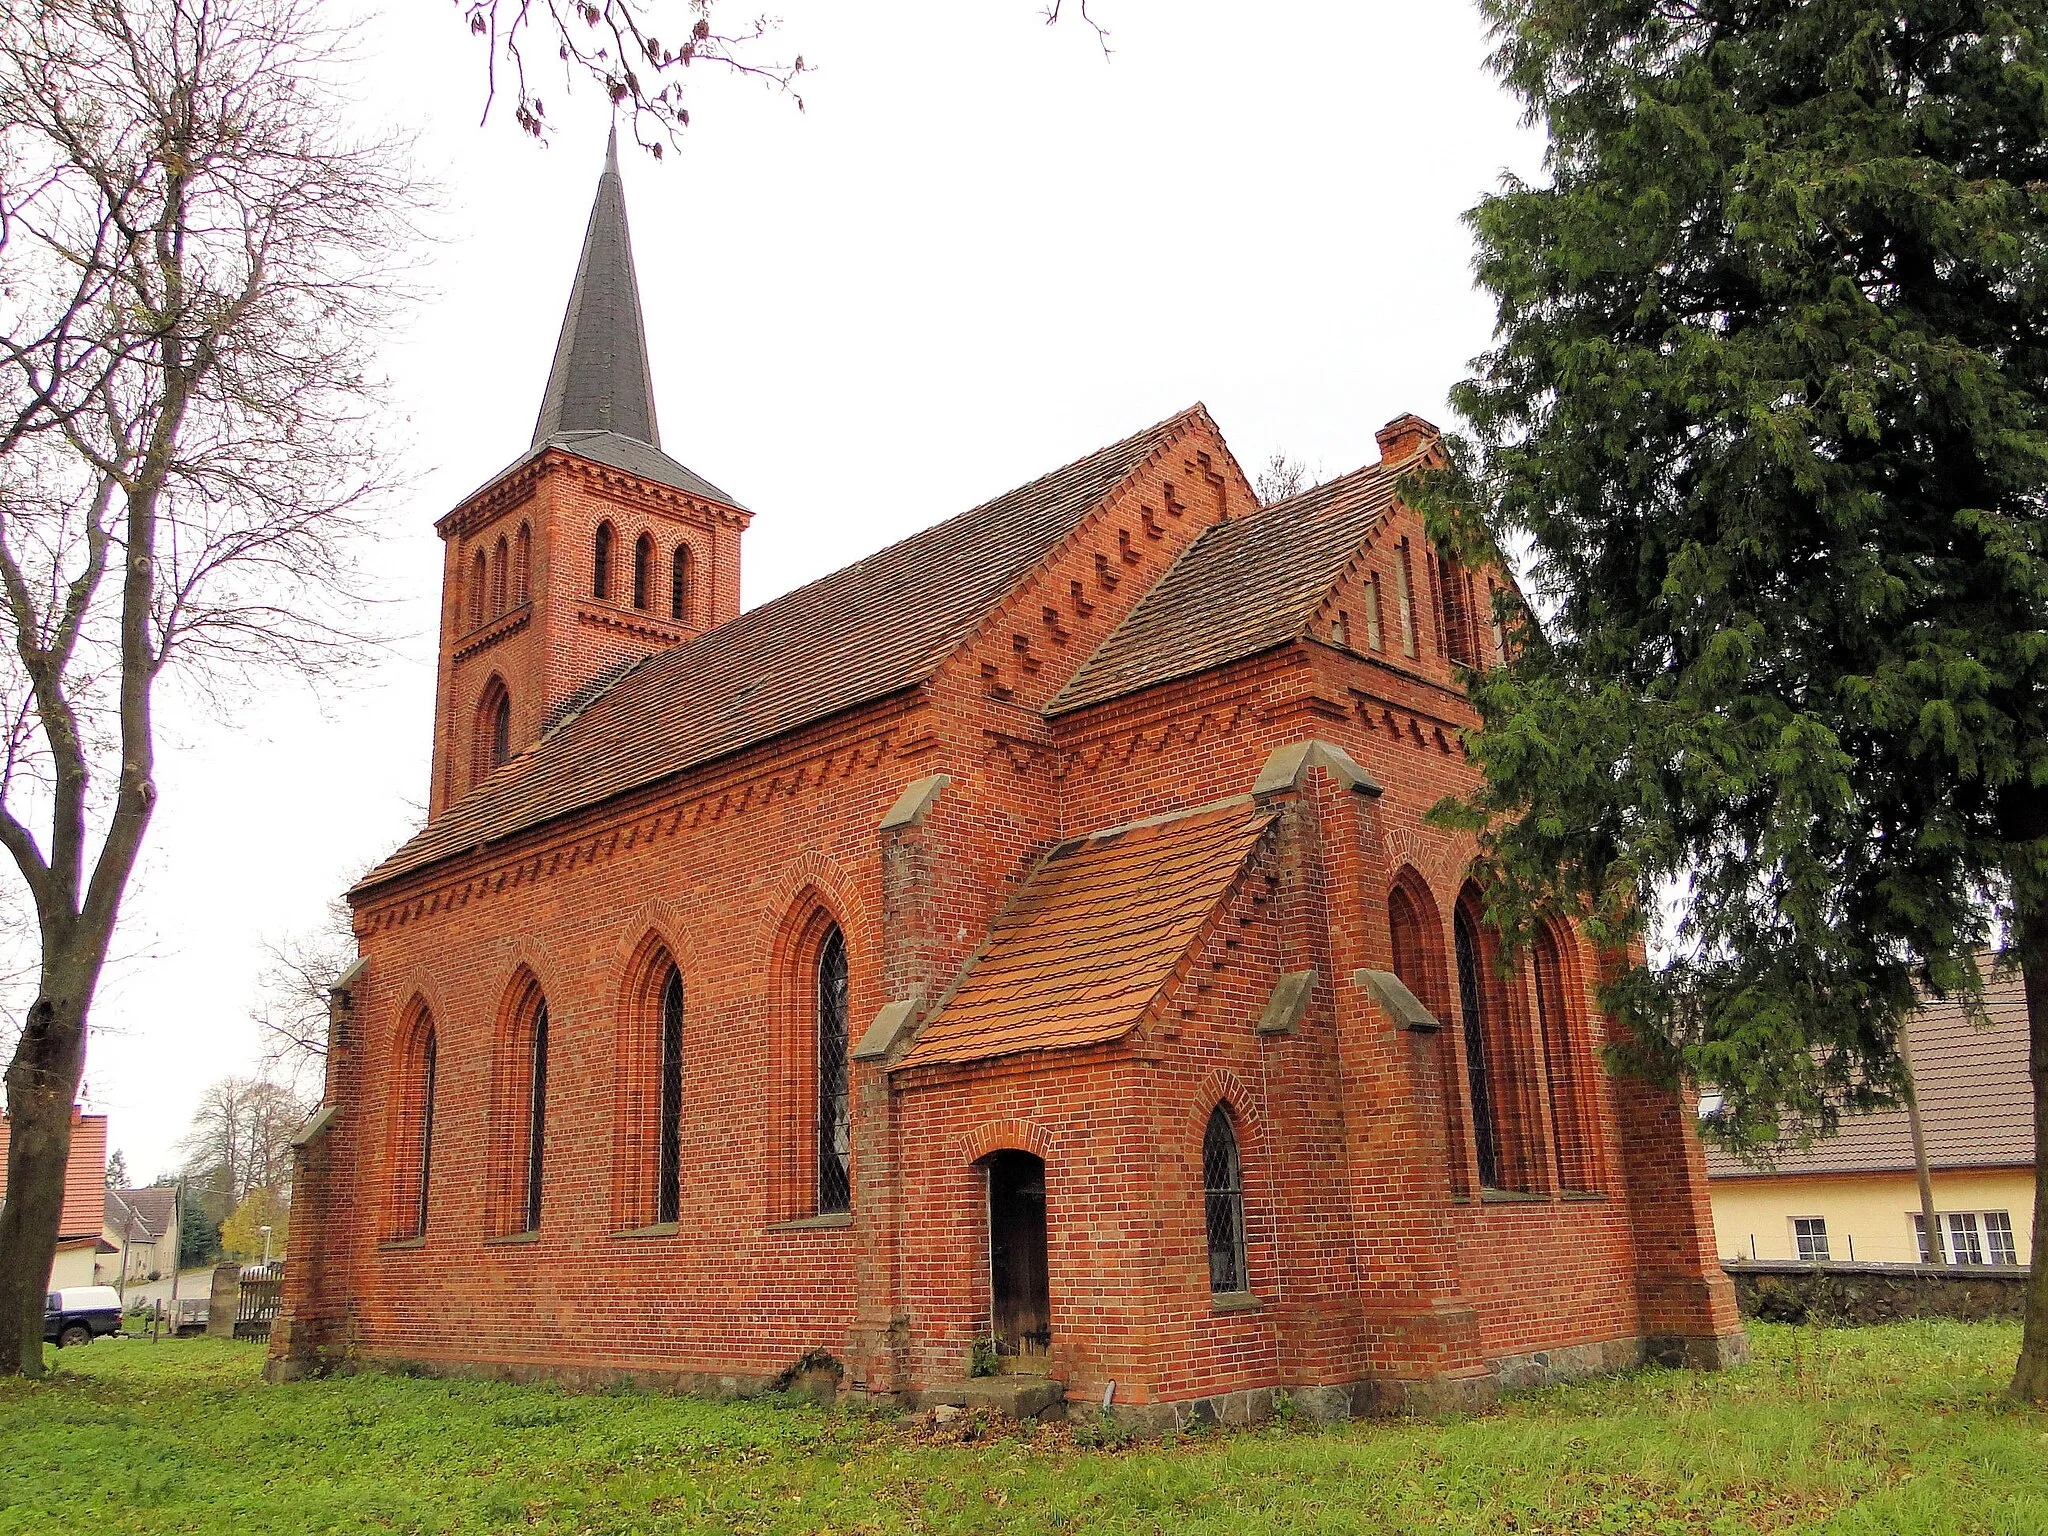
{"x": 1767, "y": 410}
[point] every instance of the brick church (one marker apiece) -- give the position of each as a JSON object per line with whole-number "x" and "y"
{"x": 1021, "y": 949}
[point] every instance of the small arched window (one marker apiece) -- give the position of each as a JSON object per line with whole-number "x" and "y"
{"x": 1223, "y": 1200}
{"x": 536, "y": 1119}
{"x": 499, "y": 560}
{"x": 501, "y": 731}
{"x": 491, "y": 748}
{"x": 601, "y": 564}
{"x": 429, "y": 1065}
{"x": 668, "y": 1173}
{"x": 834, "y": 1125}
{"x": 1472, "y": 1008}
{"x": 479, "y": 579}
{"x": 679, "y": 585}
{"x": 643, "y": 569}
{"x": 522, "y": 566}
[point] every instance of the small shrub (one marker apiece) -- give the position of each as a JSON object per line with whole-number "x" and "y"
{"x": 982, "y": 1359}
{"x": 1103, "y": 1431}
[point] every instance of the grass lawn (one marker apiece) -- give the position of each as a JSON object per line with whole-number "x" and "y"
{"x": 1882, "y": 1430}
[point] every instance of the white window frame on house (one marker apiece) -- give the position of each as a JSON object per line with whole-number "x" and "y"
{"x": 1810, "y": 1239}
{"x": 1986, "y": 1237}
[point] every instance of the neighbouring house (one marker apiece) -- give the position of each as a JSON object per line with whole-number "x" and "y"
{"x": 79, "y": 1237}
{"x": 1856, "y": 1195}
{"x": 142, "y": 1225}
{"x": 1024, "y": 941}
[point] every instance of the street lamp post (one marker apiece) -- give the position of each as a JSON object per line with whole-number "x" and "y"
{"x": 266, "y": 1245}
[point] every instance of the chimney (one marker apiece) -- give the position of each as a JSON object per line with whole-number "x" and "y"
{"x": 1404, "y": 436}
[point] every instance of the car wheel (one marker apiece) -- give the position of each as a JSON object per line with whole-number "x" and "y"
{"x": 74, "y": 1336}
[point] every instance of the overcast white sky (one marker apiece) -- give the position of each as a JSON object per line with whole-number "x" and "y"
{"x": 982, "y": 251}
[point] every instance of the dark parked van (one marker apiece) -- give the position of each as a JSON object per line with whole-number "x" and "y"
{"x": 81, "y": 1314}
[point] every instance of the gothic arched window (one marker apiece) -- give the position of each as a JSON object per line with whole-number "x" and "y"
{"x": 499, "y": 560}
{"x": 835, "y": 1184}
{"x": 536, "y": 1118}
{"x": 478, "y": 580}
{"x": 679, "y": 585}
{"x": 1223, "y": 1202}
{"x": 601, "y": 564}
{"x": 491, "y": 747}
{"x": 522, "y": 566}
{"x": 668, "y": 1172}
{"x": 1472, "y": 1007}
{"x": 429, "y": 1065}
{"x": 501, "y": 731}
{"x": 643, "y": 566}
{"x": 1569, "y": 1119}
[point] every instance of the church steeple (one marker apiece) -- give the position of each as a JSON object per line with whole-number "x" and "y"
{"x": 600, "y": 380}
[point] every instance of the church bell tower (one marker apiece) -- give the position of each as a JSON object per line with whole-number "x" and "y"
{"x": 591, "y": 550}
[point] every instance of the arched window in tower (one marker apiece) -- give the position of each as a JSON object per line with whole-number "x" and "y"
{"x": 643, "y": 569}
{"x": 668, "y": 1173}
{"x": 834, "y": 1123}
{"x": 479, "y": 579}
{"x": 679, "y": 585}
{"x": 522, "y": 566}
{"x": 1472, "y": 1008}
{"x": 1223, "y": 1201}
{"x": 493, "y": 742}
{"x": 499, "y": 560}
{"x": 536, "y": 1119}
{"x": 601, "y": 564}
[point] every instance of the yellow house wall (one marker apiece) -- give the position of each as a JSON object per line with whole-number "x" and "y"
{"x": 1875, "y": 1209}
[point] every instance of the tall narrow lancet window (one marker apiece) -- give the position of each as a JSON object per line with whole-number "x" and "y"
{"x": 668, "y": 1172}
{"x": 643, "y": 569}
{"x": 479, "y": 579}
{"x": 429, "y": 1065}
{"x": 536, "y": 1120}
{"x": 601, "y": 564}
{"x": 1223, "y": 1201}
{"x": 835, "y": 1184}
{"x": 501, "y": 730}
{"x": 1472, "y": 1006}
{"x": 679, "y": 585}
{"x": 522, "y": 566}
{"x": 499, "y": 560}
{"x": 1568, "y": 1118}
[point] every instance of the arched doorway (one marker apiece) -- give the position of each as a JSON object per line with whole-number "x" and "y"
{"x": 1020, "y": 1303}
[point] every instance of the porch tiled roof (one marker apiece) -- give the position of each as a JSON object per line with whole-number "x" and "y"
{"x": 1087, "y": 944}
{"x": 864, "y": 632}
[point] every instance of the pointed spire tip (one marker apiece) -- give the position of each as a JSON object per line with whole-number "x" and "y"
{"x": 611, "y": 152}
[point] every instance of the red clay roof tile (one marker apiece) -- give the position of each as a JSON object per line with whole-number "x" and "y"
{"x": 1087, "y": 943}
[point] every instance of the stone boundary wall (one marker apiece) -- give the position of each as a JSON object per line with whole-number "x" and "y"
{"x": 1855, "y": 1294}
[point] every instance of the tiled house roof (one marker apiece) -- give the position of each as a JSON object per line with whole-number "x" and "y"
{"x": 1092, "y": 937}
{"x": 1976, "y": 1104}
{"x": 140, "y": 1215}
{"x": 1242, "y": 587}
{"x": 864, "y": 632}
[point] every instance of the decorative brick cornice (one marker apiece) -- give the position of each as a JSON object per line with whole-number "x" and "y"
{"x": 509, "y": 490}
{"x": 633, "y": 622}
{"x": 484, "y": 636}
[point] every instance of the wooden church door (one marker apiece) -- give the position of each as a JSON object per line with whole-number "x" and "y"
{"x": 1021, "y": 1305}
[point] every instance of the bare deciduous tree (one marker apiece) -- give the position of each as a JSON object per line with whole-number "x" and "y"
{"x": 620, "y": 44}
{"x": 1281, "y": 478}
{"x": 293, "y": 987}
{"x": 241, "y": 1138}
{"x": 196, "y": 264}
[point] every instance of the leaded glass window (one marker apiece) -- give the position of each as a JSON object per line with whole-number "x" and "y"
{"x": 1223, "y": 1198}
{"x": 668, "y": 1189}
{"x": 1471, "y": 998}
{"x": 536, "y": 1119}
{"x": 835, "y": 1185}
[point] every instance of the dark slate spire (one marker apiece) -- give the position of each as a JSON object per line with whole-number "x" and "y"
{"x": 600, "y": 381}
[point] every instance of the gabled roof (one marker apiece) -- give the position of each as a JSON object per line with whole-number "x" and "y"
{"x": 1976, "y": 1103}
{"x": 1242, "y": 587}
{"x": 141, "y": 1215}
{"x": 864, "y": 632}
{"x": 1090, "y": 940}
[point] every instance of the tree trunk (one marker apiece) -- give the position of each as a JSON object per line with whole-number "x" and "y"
{"x": 42, "y": 1085}
{"x": 2030, "y": 1377}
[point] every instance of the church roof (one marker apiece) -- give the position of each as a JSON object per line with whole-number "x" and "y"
{"x": 600, "y": 396}
{"x": 1093, "y": 936}
{"x": 1242, "y": 587}
{"x": 864, "y": 632}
